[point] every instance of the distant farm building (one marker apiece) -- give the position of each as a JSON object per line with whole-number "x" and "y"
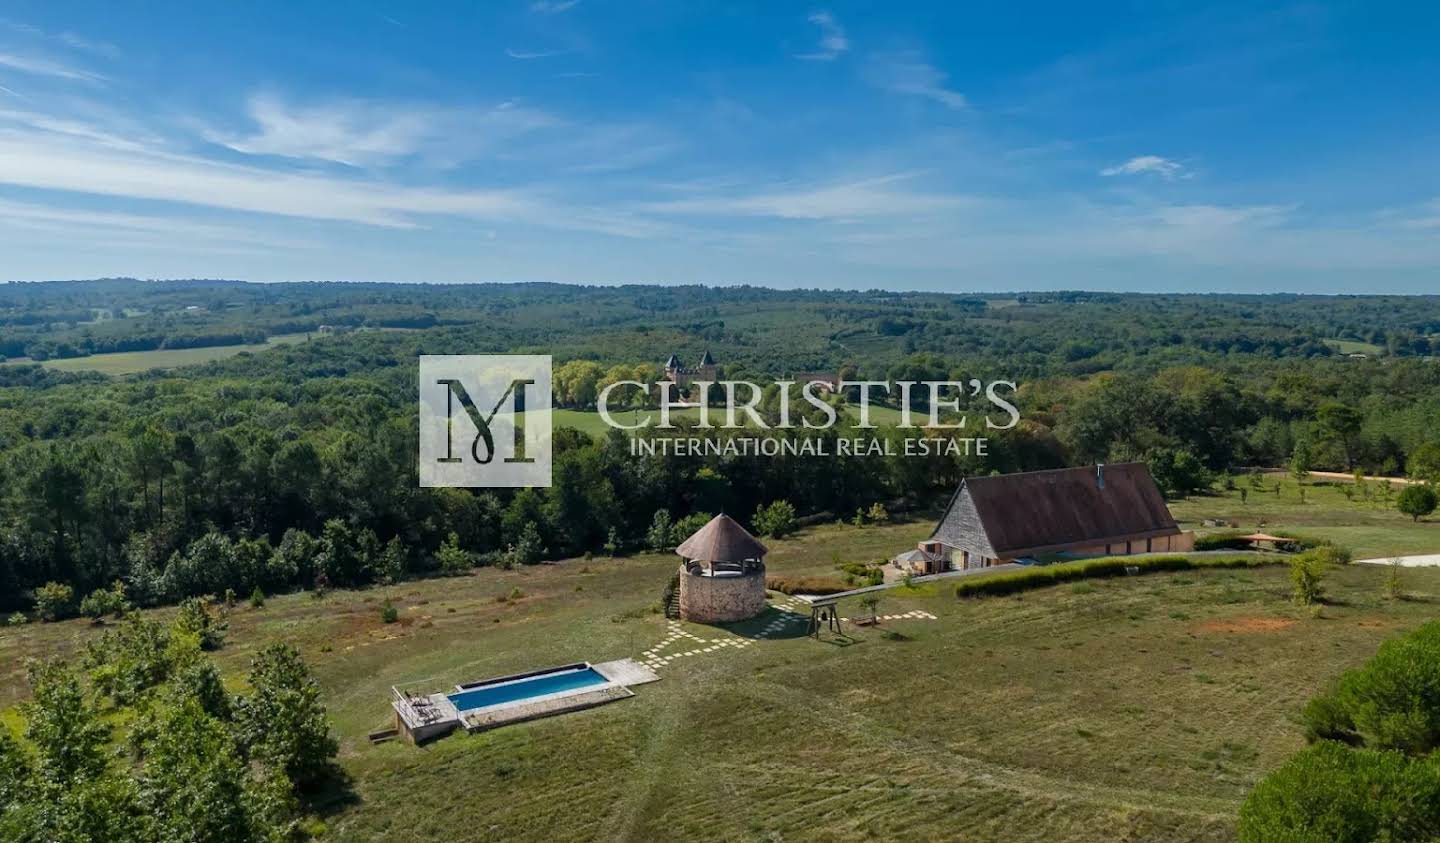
{"x": 722, "y": 573}
{"x": 1102, "y": 510}
{"x": 828, "y": 381}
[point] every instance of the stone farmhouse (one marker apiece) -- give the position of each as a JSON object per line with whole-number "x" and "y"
{"x": 1100, "y": 510}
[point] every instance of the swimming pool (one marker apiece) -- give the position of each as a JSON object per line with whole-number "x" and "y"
{"x": 503, "y": 691}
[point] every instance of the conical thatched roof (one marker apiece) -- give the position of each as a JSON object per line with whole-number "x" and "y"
{"x": 722, "y": 540}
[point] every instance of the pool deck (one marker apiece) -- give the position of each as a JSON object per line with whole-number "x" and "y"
{"x": 423, "y": 718}
{"x": 627, "y": 672}
{"x": 533, "y": 709}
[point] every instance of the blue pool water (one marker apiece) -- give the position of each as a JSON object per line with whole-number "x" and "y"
{"x": 524, "y": 689}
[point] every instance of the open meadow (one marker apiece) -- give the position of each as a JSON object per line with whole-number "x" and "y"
{"x": 1141, "y": 708}
{"x": 130, "y": 362}
{"x": 1365, "y": 521}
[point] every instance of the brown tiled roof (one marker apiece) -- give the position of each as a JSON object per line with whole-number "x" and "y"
{"x": 722, "y": 540}
{"x": 1010, "y": 515}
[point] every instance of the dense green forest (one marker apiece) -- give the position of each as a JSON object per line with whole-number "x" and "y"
{"x": 296, "y": 465}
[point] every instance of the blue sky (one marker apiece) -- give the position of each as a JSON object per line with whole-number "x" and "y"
{"x": 947, "y": 146}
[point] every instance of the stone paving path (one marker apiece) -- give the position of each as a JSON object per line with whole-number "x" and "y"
{"x": 790, "y": 612}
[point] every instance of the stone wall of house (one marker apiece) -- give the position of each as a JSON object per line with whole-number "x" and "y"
{"x": 721, "y": 599}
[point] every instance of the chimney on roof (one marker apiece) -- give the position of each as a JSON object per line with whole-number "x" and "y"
{"x": 1100, "y": 474}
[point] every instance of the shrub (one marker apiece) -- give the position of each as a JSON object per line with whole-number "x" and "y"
{"x": 805, "y": 585}
{"x": 685, "y": 527}
{"x": 1040, "y": 576}
{"x": 863, "y": 573}
{"x": 1390, "y": 702}
{"x": 1307, "y": 575}
{"x": 454, "y": 561}
{"x": 257, "y": 598}
{"x": 1332, "y": 794}
{"x": 102, "y": 602}
{"x": 1394, "y": 585}
{"x": 527, "y": 550}
{"x": 17, "y": 619}
{"x": 657, "y": 537}
{"x": 1416, "y": 501}
{"x": 775, "y": 520}
{"x": 196, "y": 619}
{"x": 878, "y": 514}
{"x": 54, "y": 601}
{"x": 388, "y": 612}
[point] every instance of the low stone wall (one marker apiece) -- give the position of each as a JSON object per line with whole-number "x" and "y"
{"x": 721, "y": 599}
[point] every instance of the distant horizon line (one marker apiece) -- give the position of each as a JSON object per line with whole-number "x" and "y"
{"x": 598, "y": 285}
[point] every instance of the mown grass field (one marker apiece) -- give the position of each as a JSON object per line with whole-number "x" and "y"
{"x": 130, "y": 362}
{"x": 1133, "y": 709}
{"x": 1371, "y": 528}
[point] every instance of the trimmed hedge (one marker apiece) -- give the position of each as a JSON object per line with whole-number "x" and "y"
{"x": 1231, "y": 540}
{"x": 806, "y": 585}
{"x": 1040, "y": 576}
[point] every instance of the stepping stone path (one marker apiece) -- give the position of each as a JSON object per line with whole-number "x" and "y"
{"x": 916, "y": 615}
{"x": 790, "y": 611}
{"x": 655, "y": 657}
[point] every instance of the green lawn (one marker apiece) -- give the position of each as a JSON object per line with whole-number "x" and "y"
{"x": 129, "y": 362}
{"x": 1370, "y": 527}
{"x": 1354, "y": 347}
{"x": 1138, "y": 708}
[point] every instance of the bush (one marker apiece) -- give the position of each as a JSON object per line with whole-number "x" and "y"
{"x": 1416, "y": 501}
{"x": 1331, "y": 794}
{"x": 257, "y": 598}
{"x": 388, "y": 612}
{"x": 17, "y": 619}
{"x": 1307, "y": 575}
{"x": 54, "y": 601}
{"x": 806, "y": 585}
{"x": 863, "y": 573}
{"x": 195, "y": 619}
{"x": 1391, "y": 702}
{"x": 775, "y": 520}
{"x": 102, "y": 602}
{"x": 685, "y": 527}
{"x": 1231, "y": 540}
{"x": 454, "y": 561}
{"x": 657, "y": 537}
{"x": 1040, "y": 576}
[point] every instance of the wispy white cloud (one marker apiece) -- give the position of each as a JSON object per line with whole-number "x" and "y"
{"x": 832, "y": 39}
{"x": 552, "y": 7}
{"x": 1223, "y": 216}
{"x": 40, "y": 66}
{"x": 1153, "y": 165}
{"x": 531, "y": 54}
{"x": 69, "y": 39}
{"x": 885, "y": 196}
{"x": 909, "y": 74}
{"x": 44, "y": 217}
{"x": 69, "y": 156}
{"x": 365, "y": 133}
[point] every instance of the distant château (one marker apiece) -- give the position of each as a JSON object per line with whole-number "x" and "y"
{"x": 684, "y": 376}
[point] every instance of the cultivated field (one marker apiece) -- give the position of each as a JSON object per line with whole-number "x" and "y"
{"x": 130, "y": 362}
{"x": 1133, "y": 709}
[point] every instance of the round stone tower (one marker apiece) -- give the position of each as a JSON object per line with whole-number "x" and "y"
{"x": 722, "y": 573}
